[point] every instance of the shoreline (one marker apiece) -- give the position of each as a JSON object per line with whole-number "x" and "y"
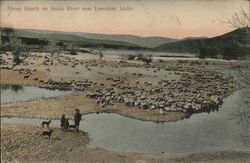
{"x": 52, "y": 109}
{"x": 97, "y": 112}
{"x": 66, "y": 146}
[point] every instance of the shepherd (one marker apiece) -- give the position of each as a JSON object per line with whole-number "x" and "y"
{"x": 77, "y": 119}
{"x": 63, "y": 120}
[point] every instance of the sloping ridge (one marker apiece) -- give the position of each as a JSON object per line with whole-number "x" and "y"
{"x": 192, "y": 46}
{"x": 147, "y": 42}
{"x": 63, "y": 36}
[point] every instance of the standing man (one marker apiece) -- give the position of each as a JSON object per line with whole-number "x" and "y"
{"x": 63, "y": 120}
{"x": 77, "y": 119}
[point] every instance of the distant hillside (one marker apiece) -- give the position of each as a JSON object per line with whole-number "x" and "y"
{"x": 37, "y": 39}
{"x": 192, "y": 38}
{"x": 219, "y": 42}
{"x": 148, "y": 42}
{"x": 68, "y": 37}
{"x": 31, "y": 36}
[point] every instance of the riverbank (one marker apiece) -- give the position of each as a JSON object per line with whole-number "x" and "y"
{"x": 71, "y": 147}
{"x": 54, "y": 108}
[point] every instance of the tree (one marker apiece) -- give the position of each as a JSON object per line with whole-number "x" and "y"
{"x": 16, "y": 48}
{"x": 242, "y": 113}
{"x": 71, "y": 49}
{"x": 239, "y": 20}
{"x": 52, "y": 48}
{"x": 100, "y": 50}
{"x": 6, "y": 34}
{"x": 11, "y": 43}
{"x": 1, "y": 45}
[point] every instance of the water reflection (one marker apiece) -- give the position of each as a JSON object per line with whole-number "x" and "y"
{"x": 145, "y": 53}
{"x": 14, "y": 88}
{"x": 19, "y": 93}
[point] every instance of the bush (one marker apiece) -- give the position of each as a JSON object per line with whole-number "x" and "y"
{"x": 16, "y": 59}
{"x": 182, "y": 61}
{"x": 52, "y": 47}
{"x": 161, "y": 61}
{"x": 11, "y": 43}
{"x": 1, "y": 45}
{"x": 139, "y": 57}
{"x": 195, "y": 63}
{"x": 16, "y": 47}
{"x": 131, "y": 57}
{"x": 71, "y": 49}
{"x": 72, "y": 52}
{"x": 146, "y": 60}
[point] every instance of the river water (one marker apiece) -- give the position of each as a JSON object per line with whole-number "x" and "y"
{"x": 223, "y": 130}
{"x": 145, "y": 53}
{"x": 18, "y": 93}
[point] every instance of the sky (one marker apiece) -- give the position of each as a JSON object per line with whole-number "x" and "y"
{"x": 166, "y": 18}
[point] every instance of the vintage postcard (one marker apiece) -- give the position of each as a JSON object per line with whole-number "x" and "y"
{"x": 125, "y": 80}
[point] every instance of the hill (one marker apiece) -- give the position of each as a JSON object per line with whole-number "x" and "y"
{"x": 30, "y": 36}
{"x": 239, "y": 36}
{"x": 147, "y": 42}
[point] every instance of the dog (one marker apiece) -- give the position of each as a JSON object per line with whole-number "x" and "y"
{"x": 72, "y": 126}
{"x": 47, "y": 133}
{"x": 46, "y": 123}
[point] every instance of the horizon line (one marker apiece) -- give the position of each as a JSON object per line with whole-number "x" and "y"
{"x": 53, "y": 30}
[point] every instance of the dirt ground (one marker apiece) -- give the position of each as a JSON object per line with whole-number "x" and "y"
{"x": 54, "y": 108}
{"x": 21, "y": 143}
{"x": 15, "y": 77}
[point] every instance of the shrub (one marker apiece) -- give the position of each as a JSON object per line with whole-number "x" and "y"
{"x": 16, "y": 59}
{"x": 131, "y": 57}
{"x": 16, "y": 47}
{"x": 11, "y": 43}
{"x": 182, "y": 61}
{"x": 161, "y": 61}
{"x": 146, "y": 60}
{"x": 139, "y": 57}
{"x": 52, "y": 47}
{"x": 72, "y": 52}
{"x": 195, "y": 63}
